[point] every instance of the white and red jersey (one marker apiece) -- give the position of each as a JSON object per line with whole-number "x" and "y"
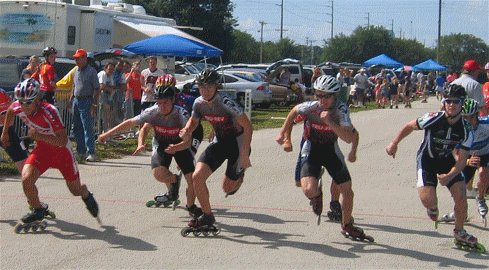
{"x": 4, "y": 102}
{"x": 316, "y": 130}
{"x": 166, "y": 127}
{"x": 221, "y": 113}
{"x": 46, "y": 120}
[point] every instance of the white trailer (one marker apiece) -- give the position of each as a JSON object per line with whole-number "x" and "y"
{"x": 27, "y": 27}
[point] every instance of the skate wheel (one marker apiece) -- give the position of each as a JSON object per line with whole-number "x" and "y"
{"x": 216, "y": 231}
{"x": 18, "y": 228}
{"x": 196, "y": 233}
{"x": 34, "y": 227}
{"x": 51, "y": 214}
{"x": 185, "y": 231}
{"x": 481, "y": 248}
{"x": 43, "y": 226}
{"x": 167, "y": 204}
{"x": 27, "y": 227}
{"x": 205, "y": 233}
{"x": 150, "y": 203}
{"x": 369, "y": 238}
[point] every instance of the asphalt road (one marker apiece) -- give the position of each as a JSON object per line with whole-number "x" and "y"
{"x": 267, "y": 224}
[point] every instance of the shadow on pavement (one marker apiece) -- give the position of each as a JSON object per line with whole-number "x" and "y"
{"x": 394, "y": 229}
{"x": 109, "y": 234}
{"x": 417, "y": 255}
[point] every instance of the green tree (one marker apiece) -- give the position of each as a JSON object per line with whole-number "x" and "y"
{"x": 245, "y": 48}
{"x": 214, "y": 16}
{"x": 455, "y": 49}
{"x": 287, "y": 49}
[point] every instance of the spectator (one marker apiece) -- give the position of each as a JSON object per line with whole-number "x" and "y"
{"x": 119, "y": 92}
{"x": 134, "y": 80}
{"x": 107, "y": 85}
{"x": 341, "y": 76}
{"x": 84, "y": 97}
{"x": 485, "y": 87}
{"x": 451, "y": 77}
{"x": 316, "y": 73}
{"x": 46, "y": 75}
{"x": 361, "y": 84}
{"x": 285, "y": 76}
{"x": 32, "y": 67}
{"x": 440, "y": 84}
{"x": 469, "y": 81}
{"x": 150, "y": 75}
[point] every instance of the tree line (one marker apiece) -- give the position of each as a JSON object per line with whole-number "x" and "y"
{"x": 219, "y": 29}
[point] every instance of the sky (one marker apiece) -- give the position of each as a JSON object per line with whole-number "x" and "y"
{"x": 307, "y": 20}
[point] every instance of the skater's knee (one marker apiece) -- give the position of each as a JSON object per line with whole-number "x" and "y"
{"x": 162, "y": 174}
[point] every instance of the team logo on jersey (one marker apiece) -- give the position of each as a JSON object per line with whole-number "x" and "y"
{"x": 321, "y": 127}
{"x": 215, "y": 119}
{"x": 166, "y": 131}
{"x": 232, "y": 105}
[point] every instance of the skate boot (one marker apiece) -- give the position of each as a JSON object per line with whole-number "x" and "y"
{"x": 355, "y": 233}
{"x": 169, "y": 198}
{"x": 33, "y": 220}
{"x": 194, "y": 211}
{"x": 465, "y": 241}
{"x": 92, "y": 206}
{"x": 450, "y": 217}
{"x": 240, "y": 180}
{"x": 317, "y": 205}
{"x": 47, "y": 212}
{"x": 335, "y": 214}
{"x": 433, "y": 214}
{"x": 482, "y": 207}
{"x": 203, "y": 224}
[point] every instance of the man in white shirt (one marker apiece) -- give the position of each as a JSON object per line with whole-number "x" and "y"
{"x": 468, "y": 80}
{"x": 150, "y": 75}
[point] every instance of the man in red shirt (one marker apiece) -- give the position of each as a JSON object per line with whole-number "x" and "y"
{"x": 485, "y": 87}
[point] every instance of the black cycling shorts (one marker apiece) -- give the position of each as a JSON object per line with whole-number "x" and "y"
{"x": 470, "y": 171}
{"x": 429, "y": 168}
{"x": 220, "y": 150}
{"x": 184, "y": 159}
{"x": 313, "y": 156}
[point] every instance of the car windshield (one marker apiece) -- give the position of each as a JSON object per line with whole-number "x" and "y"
{"x": 244, "y": 77}
{"x": 9, "y": 74}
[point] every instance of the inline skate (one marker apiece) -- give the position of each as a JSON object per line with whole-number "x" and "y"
{"x": 169, "y": 198}
{"x": 47, "y": 212}
{"x": 482, "y": 207}
{"x": 34, "y": 220}
{"x": 203, "y": 224}
{"x": 355, "y": 233}
{"x": 92, "y": 206}
{"x": 466, "y": 241}
{"x": 335, "y": 214}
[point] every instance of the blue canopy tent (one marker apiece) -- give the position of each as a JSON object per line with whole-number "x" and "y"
{"x": 384, "y": 60}
{"x": 174, "y": 43}
{"x": 431, "y": 64}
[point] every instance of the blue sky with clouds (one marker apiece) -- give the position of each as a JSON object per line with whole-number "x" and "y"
{"x": 307, "y": 19}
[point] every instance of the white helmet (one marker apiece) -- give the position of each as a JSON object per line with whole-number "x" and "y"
{"x": 327, "y": 84}
{"x": 27, "y": 89}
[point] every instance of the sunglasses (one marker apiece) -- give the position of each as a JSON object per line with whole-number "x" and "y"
{"x": 26, "y": 102}
{"x": 454, "y": 101}
{"x": 325, "y": 96}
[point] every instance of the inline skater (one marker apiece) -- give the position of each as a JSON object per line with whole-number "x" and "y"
{"x": 15, "y": 150}
{"x": 326, "y": 120}
{"x": 185, "y": 101}
{"x": 233, "y": 132}
{"x": 335, "y": 212}
{"x": 53, "y": 148}
{"x": 435, "y": 159}
{"x": 479, "y": 155}
{"x": 167, "y": 120}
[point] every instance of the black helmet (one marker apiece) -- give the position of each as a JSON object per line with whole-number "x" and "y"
{"x": 208, "y": 75}
{"x": 455, "y": 90}
{"x": 48, "y": 50}
{"x": 164, "y": 91}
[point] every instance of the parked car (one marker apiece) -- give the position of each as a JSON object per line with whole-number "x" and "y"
{"x": 281, "y": 95}
{"x": 236, "y": 85}
{"x": 295, "y": 68}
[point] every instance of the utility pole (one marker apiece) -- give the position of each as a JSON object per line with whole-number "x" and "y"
{"x": 281, "y": 19}
{"x": 368, "y": 20}
{"x": 332, "y": 16}
{"x": 261, "y": 41}
{"x": 312, "y": 52}
{"x": 392, "y": 27}
{"x": 439, "y": 33}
